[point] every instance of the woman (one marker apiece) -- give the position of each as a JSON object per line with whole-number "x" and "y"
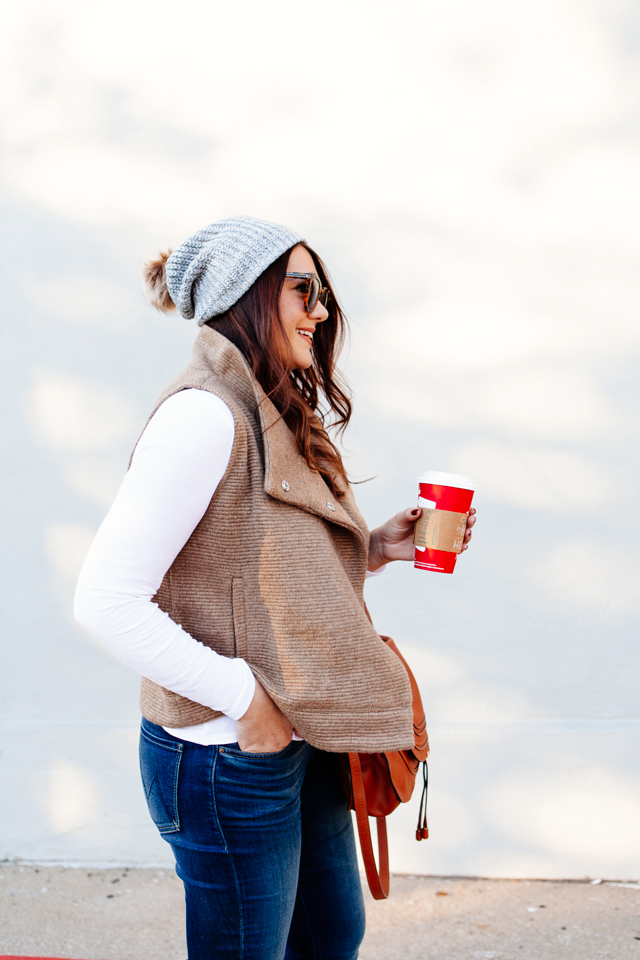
{"x": 229, "y": 573}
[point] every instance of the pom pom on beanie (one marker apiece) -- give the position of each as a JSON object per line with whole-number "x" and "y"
{"x": 154, "y": 283}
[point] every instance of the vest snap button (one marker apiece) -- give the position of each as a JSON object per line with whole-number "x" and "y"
{"x": 330, "y": 505}
{"x": 285, "y": 485}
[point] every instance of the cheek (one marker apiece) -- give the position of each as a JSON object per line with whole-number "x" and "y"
{"x": 289, "y": 315}
{"x": 290, "y": 329}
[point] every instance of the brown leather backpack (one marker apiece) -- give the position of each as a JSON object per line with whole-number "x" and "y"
{"x": 377, "y": 783}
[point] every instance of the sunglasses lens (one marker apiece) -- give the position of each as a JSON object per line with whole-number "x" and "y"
{"x": 312, "y": 295}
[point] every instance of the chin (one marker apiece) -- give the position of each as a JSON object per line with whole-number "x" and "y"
{"x": 303, "y": 364}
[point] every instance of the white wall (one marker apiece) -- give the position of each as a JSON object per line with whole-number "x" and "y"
{"x": 469, "y": 171}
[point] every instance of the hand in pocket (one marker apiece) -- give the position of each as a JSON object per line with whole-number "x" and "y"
{"x": 263, "y": 728}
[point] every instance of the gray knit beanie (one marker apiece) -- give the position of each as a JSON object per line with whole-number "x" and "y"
{"x": 211, "y": 270}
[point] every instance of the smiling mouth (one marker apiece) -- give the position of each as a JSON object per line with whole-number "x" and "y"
{"x": 306, "y": 333}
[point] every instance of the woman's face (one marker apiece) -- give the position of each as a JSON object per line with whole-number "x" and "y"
{"x": 299, "y": 326}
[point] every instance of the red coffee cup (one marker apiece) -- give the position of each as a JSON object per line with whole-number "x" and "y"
{"x": 445, "y": 524}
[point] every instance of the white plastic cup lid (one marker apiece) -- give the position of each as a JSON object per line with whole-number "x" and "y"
{"x": 447, "y": 480}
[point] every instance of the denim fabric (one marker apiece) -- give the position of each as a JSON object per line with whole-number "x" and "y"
{"x": 264, "y": 845}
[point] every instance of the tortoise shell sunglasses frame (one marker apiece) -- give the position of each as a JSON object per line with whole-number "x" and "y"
{"x": 314, "y": 290}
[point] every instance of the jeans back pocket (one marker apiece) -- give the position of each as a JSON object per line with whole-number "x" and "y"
{"x": 159, "y": 767}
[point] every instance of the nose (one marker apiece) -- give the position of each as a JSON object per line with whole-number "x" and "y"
{"x": 319, "y": 313}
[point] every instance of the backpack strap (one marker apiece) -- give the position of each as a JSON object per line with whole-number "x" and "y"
{"x": 378, "y": 881}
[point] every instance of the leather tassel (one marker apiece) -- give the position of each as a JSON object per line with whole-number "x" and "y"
{"x": 422, "y": 831}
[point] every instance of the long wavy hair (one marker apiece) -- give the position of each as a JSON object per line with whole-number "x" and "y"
{"x": 310, "y": 401}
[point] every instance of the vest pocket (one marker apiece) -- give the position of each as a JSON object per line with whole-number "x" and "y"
{"x": 239, "y": 618}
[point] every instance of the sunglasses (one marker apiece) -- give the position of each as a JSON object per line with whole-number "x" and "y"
{"x": 314, "y": 290}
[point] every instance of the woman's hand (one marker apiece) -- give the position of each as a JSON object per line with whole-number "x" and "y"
{"x": 263, "y": 728}
{"x": 394, "y": 539}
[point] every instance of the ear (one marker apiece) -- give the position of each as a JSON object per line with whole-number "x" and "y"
{"x": 154, "y": 283}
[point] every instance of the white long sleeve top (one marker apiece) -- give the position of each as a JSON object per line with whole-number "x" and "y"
{"x": 178, "y": 463}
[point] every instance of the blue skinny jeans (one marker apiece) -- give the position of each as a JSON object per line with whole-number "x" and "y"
{"x": 264, "y": 845}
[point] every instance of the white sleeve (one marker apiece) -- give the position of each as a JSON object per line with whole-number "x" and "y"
{"x": 179, "y": 461}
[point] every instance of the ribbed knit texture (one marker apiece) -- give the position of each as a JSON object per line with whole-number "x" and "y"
{"x": 274, "y": 573}
{"x": 211, "y": 270}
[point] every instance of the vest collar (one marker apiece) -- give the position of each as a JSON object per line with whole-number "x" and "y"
{"x": 288, "y": 477}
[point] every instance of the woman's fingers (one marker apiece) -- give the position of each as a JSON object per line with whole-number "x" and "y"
{"x": 470, "y": 524}
{"x": 400, "y": 526}
{"x": 406, "y": 520}
{"x": 471, "y": 520}
{"x": 403, "y": 521}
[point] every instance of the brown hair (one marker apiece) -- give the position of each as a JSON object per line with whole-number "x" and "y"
{"x": 311, "y": 400}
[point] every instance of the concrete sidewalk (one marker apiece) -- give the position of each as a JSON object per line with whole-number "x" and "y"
{"x": 136, "y": 914}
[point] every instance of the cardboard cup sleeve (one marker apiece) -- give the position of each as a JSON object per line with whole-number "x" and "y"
{"x": 440, "y": 530}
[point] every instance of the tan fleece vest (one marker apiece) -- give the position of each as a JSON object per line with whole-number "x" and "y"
{"x": 274, "y": 573}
